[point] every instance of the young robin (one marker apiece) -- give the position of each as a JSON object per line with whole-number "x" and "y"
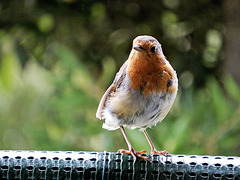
{"x": 141, "y": 94}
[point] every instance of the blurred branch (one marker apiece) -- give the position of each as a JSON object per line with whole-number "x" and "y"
{"x": 232, "y": 37}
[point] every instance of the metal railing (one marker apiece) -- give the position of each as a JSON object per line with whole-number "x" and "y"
{"x": 108, "y": 165}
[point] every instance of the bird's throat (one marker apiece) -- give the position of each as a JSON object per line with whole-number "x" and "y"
{"x": 148, "y": 74}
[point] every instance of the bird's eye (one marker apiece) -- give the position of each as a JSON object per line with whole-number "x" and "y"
{"x": 153, "y": 49}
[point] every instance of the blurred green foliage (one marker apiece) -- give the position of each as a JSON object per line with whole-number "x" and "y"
{"x": 58, "y": 57}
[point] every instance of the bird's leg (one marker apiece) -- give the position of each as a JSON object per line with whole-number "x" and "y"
{"x": 153, "y": 149}
{"x": 131, "y": 150}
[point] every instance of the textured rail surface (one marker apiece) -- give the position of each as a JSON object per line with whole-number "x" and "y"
{"x": 107, "y": 165}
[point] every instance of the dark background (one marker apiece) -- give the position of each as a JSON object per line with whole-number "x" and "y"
{"x": 57, "y": 57}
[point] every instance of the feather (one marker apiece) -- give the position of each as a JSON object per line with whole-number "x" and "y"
{"x": 116, "y": 84}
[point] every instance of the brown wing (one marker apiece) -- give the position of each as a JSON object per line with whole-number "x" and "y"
{"x": 116, "y": 83}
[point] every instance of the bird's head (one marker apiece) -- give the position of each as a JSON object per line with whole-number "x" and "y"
{"x": 147, "y": 47}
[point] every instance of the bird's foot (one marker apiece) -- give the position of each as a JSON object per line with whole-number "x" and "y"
{"x": 154, "y": 151}
{"x": 134, "y": 153}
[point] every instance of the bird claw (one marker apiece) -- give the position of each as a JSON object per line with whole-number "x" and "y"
{"x": 165, "y": 153}
{"x": 134, "y": 153}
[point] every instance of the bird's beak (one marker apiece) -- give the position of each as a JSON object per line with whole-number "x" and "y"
{"x": 138, "y": 48}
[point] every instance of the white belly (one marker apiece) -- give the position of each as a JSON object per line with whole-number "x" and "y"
{"x": 133, "y": 110}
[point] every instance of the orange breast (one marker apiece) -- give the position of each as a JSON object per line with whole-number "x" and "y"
{"x": 148, "y": 74}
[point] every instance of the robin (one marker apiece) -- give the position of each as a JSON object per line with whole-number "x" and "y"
{"x": 141, "y": 94}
